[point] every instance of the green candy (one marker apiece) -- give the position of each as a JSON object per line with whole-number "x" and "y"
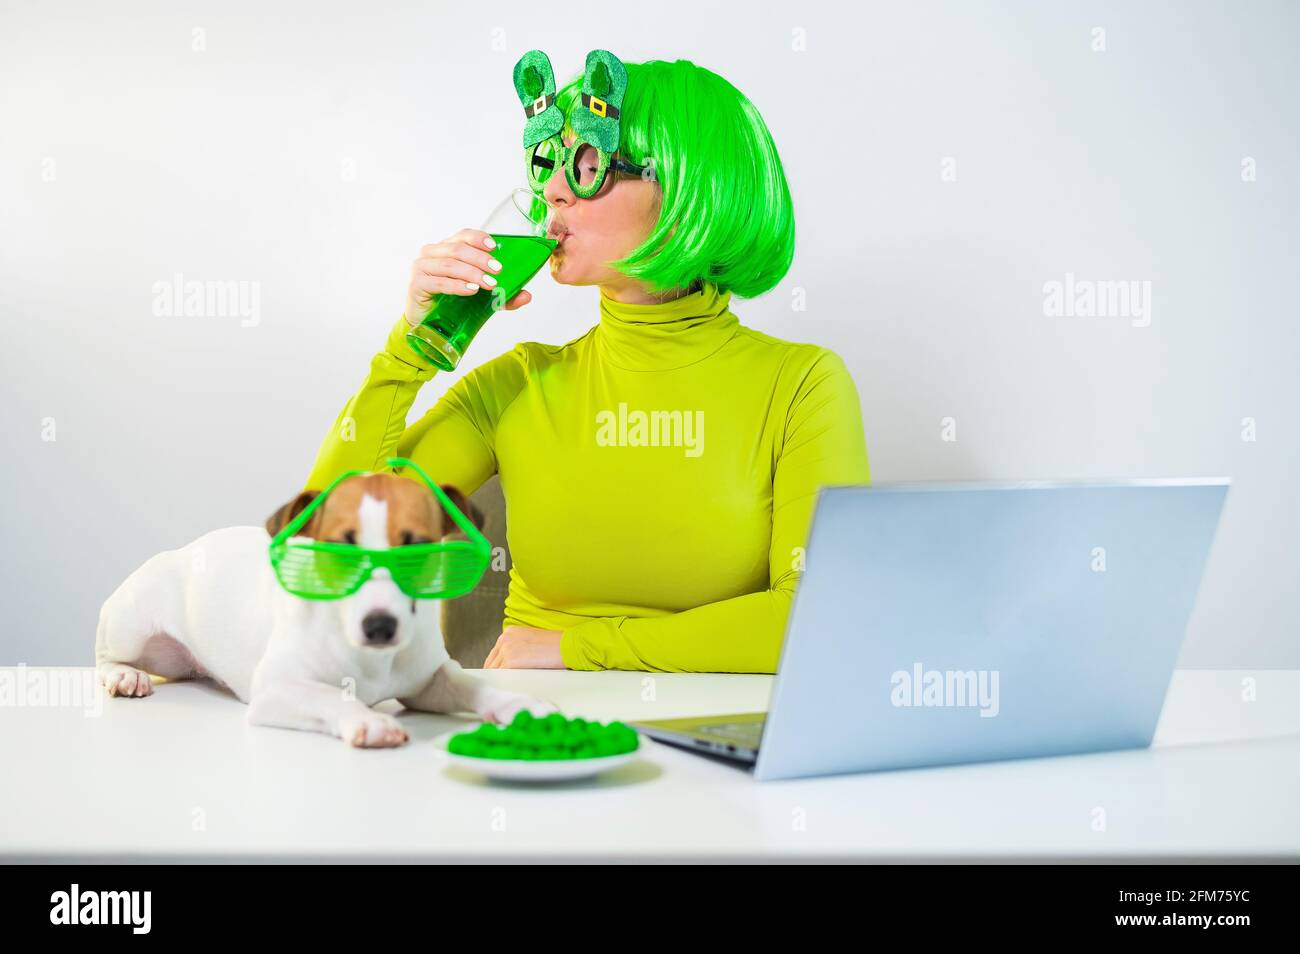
{"x": 550, "y": 739}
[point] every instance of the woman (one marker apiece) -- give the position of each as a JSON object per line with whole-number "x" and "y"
{"x": 654, "y": 541}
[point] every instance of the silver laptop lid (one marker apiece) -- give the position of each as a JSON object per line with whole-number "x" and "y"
{"x": 943, "y": 623}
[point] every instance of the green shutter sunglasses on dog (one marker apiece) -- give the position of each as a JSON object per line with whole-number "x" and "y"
{"x": 324, "y": 570}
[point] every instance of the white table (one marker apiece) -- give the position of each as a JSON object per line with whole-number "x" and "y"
{"x": 181, "y": 775}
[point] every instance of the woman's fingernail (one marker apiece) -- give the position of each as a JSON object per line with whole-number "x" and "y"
{"x": 489, "y": 280}
{"x": 489, "y": 242}
{"x": 471, "y": 286}
{"x": 496, "y": 266}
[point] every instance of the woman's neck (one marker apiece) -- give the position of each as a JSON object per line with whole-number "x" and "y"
{"x": 636, "y": 294}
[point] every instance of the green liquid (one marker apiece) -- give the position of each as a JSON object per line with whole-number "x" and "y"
{"x": 445, "y": 334}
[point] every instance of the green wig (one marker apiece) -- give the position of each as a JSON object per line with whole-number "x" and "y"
{"x": 725, "y": 214}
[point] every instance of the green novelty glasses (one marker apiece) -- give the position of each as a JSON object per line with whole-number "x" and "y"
{"x": 585, "y": 166}
{"x": 323, "y": 570}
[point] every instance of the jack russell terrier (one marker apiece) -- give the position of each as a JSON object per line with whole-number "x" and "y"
{"x": 214, "y": 609}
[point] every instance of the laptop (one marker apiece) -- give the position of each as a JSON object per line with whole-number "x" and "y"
{"x": 938, "y": 624}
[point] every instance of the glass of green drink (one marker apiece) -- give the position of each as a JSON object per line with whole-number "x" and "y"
{"x": 519, "y": 226}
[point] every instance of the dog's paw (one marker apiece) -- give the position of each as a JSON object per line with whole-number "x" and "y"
{"x": 374, "y": 730}
{"x": 120, "y": 680}
{"x": 504, "y": 710}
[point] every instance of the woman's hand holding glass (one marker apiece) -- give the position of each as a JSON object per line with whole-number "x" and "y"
{"x": 460, "y": 264}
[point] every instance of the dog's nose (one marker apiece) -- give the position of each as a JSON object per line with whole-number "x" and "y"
{"x": 379, "y": 627}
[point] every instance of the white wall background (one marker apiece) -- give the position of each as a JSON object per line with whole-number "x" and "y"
{"x": 313, "y": 148}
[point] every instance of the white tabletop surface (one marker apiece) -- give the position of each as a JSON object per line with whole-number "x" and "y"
{"x": 181, "y": 775}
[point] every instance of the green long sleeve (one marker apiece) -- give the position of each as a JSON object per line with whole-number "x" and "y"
{"x": 659, "y": 474}
{"x": 368, "y": 428}
{"x": 372, "y": 425}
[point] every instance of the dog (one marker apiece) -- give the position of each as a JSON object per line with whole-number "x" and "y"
{"x": 214, "y": 610}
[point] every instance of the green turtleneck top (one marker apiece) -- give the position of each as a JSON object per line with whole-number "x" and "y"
{"x": 659, "y": 474}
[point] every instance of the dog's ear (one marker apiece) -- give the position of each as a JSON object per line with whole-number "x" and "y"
{"x": 280, "y": 519}
{"x": 464, "y": 506}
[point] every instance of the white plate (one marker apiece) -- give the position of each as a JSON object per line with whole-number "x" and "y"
{"x": 545, "y": 770}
